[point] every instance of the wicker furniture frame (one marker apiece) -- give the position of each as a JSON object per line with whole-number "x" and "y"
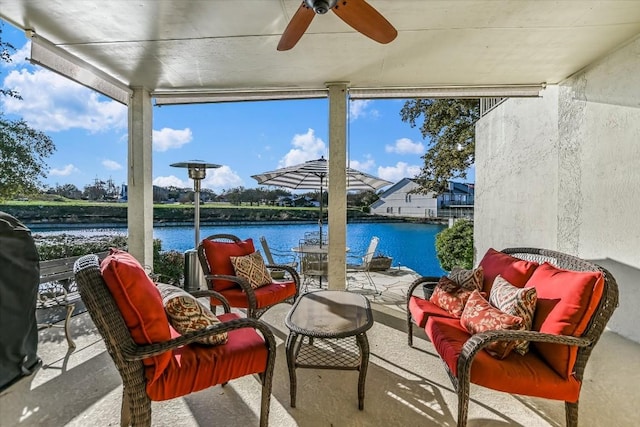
{"x": 128, "y": 356}
{"x": 252, "y": 302}
{"x": 585, "y": 343}
{"x": 332, "y": 327}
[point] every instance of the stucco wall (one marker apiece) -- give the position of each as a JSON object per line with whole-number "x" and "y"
{"x": 563, "y": 172}
{"x": 516, "y": 168}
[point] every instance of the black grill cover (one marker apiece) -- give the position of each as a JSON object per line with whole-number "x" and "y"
{"x": 19, "y": 280}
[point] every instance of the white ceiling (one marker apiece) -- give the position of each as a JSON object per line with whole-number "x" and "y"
{"x": 209, "y": 45}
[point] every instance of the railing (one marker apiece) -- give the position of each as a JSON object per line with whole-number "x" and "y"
{"x": 488, "y": 104}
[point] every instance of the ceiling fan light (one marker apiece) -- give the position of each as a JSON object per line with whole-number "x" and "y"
{"x": 321, "y": 6}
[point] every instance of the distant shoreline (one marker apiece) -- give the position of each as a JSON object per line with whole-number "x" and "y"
{"x": 48, "y": 217}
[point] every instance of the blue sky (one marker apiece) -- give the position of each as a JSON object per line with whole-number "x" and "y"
{"x": 90, "y": 132}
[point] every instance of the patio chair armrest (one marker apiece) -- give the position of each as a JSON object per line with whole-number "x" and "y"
{"x": 217, "y": 295}
{"x": 237, "y": 279}
{"x": 292, "y": 272}
{"x": 140, "y": 352}
{"x": 479, "y": 341}
{"x": 421, "y": 281}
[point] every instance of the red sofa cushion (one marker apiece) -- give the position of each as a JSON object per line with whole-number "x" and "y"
{"x": 516, "y": 271}
{"x": 566, "y": 301}
{"x": 266, "y": 296}
{"x": 140, "y": 304}
{"x": 195, "y": 367}
{"x": 421, "y": 309}
{"x": 527, "y": 375}
{"x": 219, "y": 258}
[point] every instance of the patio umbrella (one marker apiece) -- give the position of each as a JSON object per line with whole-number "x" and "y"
{"x": 312, "y": 175}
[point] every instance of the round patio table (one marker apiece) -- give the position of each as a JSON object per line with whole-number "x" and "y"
{"x": 327, "y": 330}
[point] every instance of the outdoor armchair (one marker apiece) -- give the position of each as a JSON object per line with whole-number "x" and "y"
{"x": 365, "y": 262}
{"x": 288, "y": 258}
{"x": 246, "y": 288}
{"x": 156, "y": 362}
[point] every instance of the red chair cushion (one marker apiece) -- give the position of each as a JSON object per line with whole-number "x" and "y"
{"x": 516, "y": 271}
{"x": 527, "y": 375}
{"x": 219, "y": 258}
{"x": 266, "y": 296}
{"x": 566, "y": 301}
{"x": 140, "y": 304}
{"x": 196, "y": 367}
{"x": 421, "y": 309}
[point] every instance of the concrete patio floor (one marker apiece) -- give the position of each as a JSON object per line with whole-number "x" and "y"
{"x": 405, "y": 386}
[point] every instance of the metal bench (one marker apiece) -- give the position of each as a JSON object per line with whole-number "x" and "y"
{"x": 58, "y": 289}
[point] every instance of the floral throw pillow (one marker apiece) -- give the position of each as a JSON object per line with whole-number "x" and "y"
{"x": 186, "y": 314}
{"x": 516, "y": 301}
{"x": 479, "y": 316}
{"x": 468, "y": 279}
{"x": 450, "y": 296}
{"x": 252, "y": 268}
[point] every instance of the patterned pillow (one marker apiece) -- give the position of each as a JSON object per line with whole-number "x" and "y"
{"x": 450, "y": 296}
{"x": 186, "y": 314}
{"x": 479, "y": 316}
{"x": 468, "y": 279}
{"x": 251, "y": 268}
{"x": 515, "y": 301}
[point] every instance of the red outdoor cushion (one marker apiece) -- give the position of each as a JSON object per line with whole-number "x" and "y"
{"x": 266, "y": 296}
{"x": 195, "y": 367}
{"x": 527, "y": 375}
{"x": 421, "y": 309}
{"x": 566, "y": 301}
{"x": 219, "y": 258}
{"x": 140, "y": 305}
{"x": 514, "y": 270}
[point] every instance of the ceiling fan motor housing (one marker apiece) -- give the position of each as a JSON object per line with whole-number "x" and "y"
{"x": 321, "y": 6}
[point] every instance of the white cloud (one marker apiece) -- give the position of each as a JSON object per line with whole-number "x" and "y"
{"x": 307, "y": 147}
{"x": 54, "y": 103}
{"x": 171, "y": 181}
{"x": 405, "y": 146}
{"x": 167, "y": 138}
{"x": 360, "y": 108}
{"x": 399, "y": 171}
{"x": 364, "y": 166}
{"x": 221, "y": 178}
{"x": 65, "y": 171}
{"x": 111, "y": 165}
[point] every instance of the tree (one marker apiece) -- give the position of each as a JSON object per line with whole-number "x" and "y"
{"x": 449, "y": 125}
{"x": 23, "y": 150}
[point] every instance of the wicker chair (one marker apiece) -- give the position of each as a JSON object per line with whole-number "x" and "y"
{"x": 128, "y": 356}
{"x": 584, "y": 343}
{"x": 237, "y": 290}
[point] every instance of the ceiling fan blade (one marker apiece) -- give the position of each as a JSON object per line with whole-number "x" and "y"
{"x": 363, "y": 17}
{"x": 296, "y": 27}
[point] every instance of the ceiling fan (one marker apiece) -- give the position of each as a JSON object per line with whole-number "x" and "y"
{"x": 357, "y": 13}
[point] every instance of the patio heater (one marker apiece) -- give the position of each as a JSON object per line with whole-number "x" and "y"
{"x": 193, "y": 275}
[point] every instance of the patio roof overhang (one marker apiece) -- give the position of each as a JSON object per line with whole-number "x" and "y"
{"x": 177, "y": 49}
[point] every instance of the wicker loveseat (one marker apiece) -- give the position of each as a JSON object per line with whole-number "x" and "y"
{"x": 575, "y": 299}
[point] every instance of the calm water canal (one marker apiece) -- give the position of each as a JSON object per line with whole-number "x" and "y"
{"x": 410, "y": 245}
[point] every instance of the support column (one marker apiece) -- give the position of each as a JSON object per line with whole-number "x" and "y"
{"x": 337, "y": 185}
{"x": 139, "y": 183}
